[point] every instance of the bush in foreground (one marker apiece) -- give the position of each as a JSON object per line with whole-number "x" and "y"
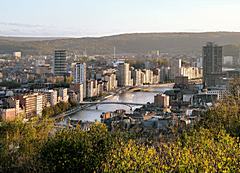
{"x": 211, "y": 146}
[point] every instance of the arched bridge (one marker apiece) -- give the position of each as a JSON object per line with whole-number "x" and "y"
{"x": 116, "y": 103}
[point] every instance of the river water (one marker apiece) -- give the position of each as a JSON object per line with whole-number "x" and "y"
{"x": 91, "y": 114}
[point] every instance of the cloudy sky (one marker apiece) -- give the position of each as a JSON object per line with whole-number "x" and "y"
{"x": 80, "y": 18}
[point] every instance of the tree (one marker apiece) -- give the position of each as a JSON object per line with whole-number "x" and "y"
{"x": 20, "y": 143}
{"x": 225, "y": 115}
{"x": 197, "y": 151}
{"x": 234, "y": 88}
{"x": 73, "y": 150}
{"x": 48, "y": 112}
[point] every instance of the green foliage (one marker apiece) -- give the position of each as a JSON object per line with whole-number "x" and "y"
{"x": 198, "y": 151}
{"x": 234, "y": 88}
{"x": 132, "y": 157}
{"x": 20, "y": 143}
{"x": 205, "y": 151}
{"x": 224, "y": 116}
{"x": 72, "y": 150}
{"x": 57, "y": 109}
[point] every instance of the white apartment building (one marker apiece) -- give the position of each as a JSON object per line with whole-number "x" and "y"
{"x": 63, "y": 95}
{"x": 80, "y": 76}
{"x": 39, "y": 105}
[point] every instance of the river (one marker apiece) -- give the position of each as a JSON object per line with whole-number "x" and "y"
{"x": 91, "y": 114}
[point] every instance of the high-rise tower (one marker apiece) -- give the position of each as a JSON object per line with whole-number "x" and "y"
{"x": 60, "y": 64}
{"x": 80, "y": 76}
{"x": 212, "y": 64}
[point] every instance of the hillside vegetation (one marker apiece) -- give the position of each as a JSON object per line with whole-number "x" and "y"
{"x": 178, "y": 43}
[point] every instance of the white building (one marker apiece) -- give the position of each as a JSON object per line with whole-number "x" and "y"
{"x": 199, "y": 62}
{"x": 81, "y": 93}
{"x": 63, "y": 96}
{"x": 117, "y": 62}
{"x": 228, "y": 60}
{"x": 92, "y": 88}
{"x": 78, "y": 89}
{"x": 17, "y": 55}
{"x": 161, "y": 100}
{"x": 137, "y": 77}
{"x": 191, "y": 72}
{"x": 51, "y": 97}
{"x": 111, "y": 81}
{"x": 39, "y": 104}
{"x": 80, "y": 76}
{"x": 221, "y": 93}
{"x": 143, "y": 78}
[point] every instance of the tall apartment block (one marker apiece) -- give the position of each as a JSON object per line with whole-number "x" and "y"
{"x": 60, "y": 63}
{"x": 63, "y": 94}
{"x": 51, "y": 96}
{"x": 212, "y": 64}
{"x": 32, "y": 104}
{"x": 137, "y": 80}
{"x": 110, "y": 81}
{"x": 78, "y": 89}
{"x": 124, "y": 75}
{"x": 176, "y": 65}
{"x": 80, "y": 76}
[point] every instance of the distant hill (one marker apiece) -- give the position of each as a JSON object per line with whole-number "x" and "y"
{"x": 178, "y": 43}
{"x": 29, "y": 38}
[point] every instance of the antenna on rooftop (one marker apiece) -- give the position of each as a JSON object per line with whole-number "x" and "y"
{"x": 114, "y": 52}
{"x": 85, "y": 52}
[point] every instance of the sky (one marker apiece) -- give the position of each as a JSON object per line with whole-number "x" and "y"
{"x": 80, "y": 18}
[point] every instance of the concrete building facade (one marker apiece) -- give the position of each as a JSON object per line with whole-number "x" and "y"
{"x": 212, "y": 64}
{"x": 161, "y": 100}
{"x": 80, "y": 76}
{"x": 60, "y": 64}
{"x": 124, "y": 75}
{"x": 63, "y": 94}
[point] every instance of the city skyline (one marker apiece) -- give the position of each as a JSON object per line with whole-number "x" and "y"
{"x": 92, "y": 18}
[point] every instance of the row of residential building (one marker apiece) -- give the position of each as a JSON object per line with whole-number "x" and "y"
{"x": 31, "y": 103}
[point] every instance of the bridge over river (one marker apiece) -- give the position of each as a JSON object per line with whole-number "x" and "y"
{"x": 84, "y": 105}
{"x": 129, "y": 104}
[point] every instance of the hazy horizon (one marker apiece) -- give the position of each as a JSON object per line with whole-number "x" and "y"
{"x": 117, "y": 34}
{"x": 73, "y": 18}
